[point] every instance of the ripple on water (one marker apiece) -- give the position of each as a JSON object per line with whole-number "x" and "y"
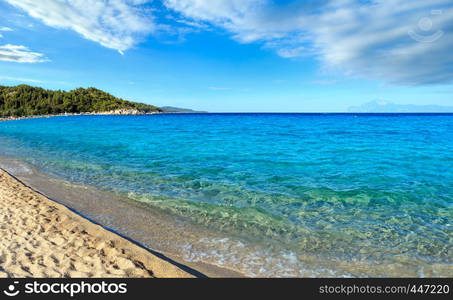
{"x": 287, "y": 195}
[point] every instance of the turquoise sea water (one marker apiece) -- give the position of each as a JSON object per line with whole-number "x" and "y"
{"x": 356, "y": 195}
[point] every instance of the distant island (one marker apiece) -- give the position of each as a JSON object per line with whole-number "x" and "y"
{"x": 172, "y": 109}
{"x": 379, "y": 106}
{"x": 25, "y": 101}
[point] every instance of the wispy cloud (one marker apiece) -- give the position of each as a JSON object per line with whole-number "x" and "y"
{"x": 2, "y": 28}
{"x": 291, "y": 52}
{"x": 20, "y": 54}
{"x": 115, "y": 24}
{"x": 192, "y": 24}
{"x": 403, "y": 42}
{"x": 18, "y": 79}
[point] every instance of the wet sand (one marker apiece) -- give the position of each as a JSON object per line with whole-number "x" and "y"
{"x": 41, "y": 238}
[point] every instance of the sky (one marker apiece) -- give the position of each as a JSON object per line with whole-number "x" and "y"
{"x": 234, "y": 55}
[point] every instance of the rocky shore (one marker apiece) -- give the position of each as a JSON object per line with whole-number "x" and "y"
{"x": 112, "y": 112}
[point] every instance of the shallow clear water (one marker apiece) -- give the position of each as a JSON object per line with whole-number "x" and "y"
{"x": 288, "y": 194}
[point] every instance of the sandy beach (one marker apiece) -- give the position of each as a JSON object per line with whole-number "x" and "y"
{"x": 41, "y": 238}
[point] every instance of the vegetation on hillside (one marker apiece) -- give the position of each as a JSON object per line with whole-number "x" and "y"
{"x": 24, "y": 100}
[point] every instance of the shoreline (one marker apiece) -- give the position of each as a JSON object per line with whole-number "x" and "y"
{"x": 118, "y": 112}
{"x": 42, "y": 238}
{"x": 4, "y": 119}
{"x": 147, "y": 228}
{"x": 107, "y": 113}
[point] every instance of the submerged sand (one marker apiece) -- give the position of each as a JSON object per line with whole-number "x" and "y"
{"x": 41, "y": 238}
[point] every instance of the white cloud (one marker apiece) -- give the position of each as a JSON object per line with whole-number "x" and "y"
{"x": 115, "y": 24}
{"x": 291, "y": 51}
{"x": 399, "y": 41}
{"x": 20, "y": 54}
{"x": 396, "y": 41}
{"x": 2, "y": 28}
{"x": 242, "y": 17}
{"x": 192, "y": 24}
{"x": 374, "y": 41}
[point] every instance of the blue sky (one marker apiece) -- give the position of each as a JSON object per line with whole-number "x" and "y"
{"x": 234, "y": 55}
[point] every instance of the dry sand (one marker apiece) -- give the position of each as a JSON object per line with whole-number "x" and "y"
{"x": 41, "y": 238}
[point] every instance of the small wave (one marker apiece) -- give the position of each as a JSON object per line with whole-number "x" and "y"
{"x": 251, "y": 260}
{"x": 15, "y": 167}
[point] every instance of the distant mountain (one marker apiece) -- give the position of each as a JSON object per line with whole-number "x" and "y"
{"x": 387, "y": 107}
{"x": 25, "y": 100}
{"x": 172, "y": 109}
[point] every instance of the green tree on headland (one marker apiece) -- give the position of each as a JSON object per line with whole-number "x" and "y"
{"x": 25, "y": 100}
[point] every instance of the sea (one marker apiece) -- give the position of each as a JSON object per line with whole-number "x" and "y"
{"x": 267, "y": 195}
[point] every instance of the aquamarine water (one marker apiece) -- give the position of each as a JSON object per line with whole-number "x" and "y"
{"x": 354, "y": 194}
